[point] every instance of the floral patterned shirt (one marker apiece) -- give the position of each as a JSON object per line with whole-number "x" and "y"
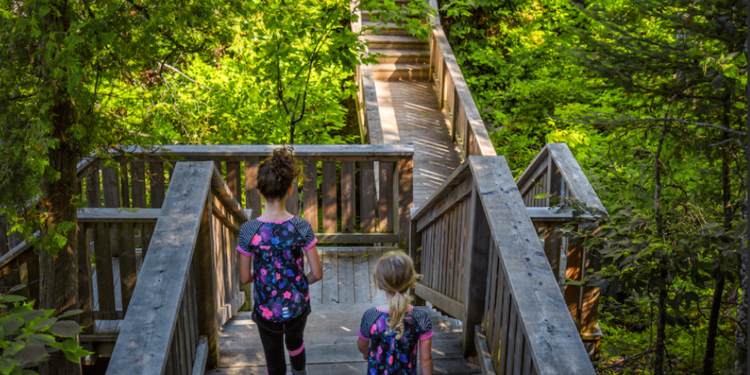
{"x": 389, "y": 356}
{"x": 281, "y": 291}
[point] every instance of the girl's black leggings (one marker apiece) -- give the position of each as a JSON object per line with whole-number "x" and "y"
{"x": 273, "y": 338}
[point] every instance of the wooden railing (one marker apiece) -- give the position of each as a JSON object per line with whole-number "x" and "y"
{"x": 555, "y": 171}
{"x": 189, "y": 283}
{"x": 483, "y": 263}
{"x": 454, "y": 96}
{"x": 347, "y": 175}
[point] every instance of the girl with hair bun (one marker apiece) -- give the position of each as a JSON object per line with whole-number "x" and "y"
{"x": 273, "y": 248}
{"x": 391, "y": 334}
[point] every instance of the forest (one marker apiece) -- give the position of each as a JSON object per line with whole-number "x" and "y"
{"x": 650, "y": 95}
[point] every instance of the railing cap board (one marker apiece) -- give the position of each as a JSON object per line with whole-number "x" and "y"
{"x": 222, "y": 191}
{"x": 553, "y": 338}
{"x": 242, "y": 151}
{"x": 147, "y": 331}
{"x": 484, "y": 143}
{"x": 548, "y": 214}
{"x": 461, "y": 173}
{"x": 16, "y": 251}
{"x": 571, "y": 172}
{"x": 118, "y": 215}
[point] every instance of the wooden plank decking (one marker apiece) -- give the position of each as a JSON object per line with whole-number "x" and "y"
{"x": 410, "y": 114}
{"x": 338, "y": 302}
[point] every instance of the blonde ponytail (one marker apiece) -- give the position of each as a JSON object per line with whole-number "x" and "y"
{"x": 395, "y": 274}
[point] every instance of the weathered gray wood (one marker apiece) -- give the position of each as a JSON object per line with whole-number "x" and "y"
{"x": 234, "y": 180}
{"x": 85, "y": 291}
{"x": 310, "y": 192}
{"x": 526, "y": 359}
{"x": 124, "y": 184}
{"x": 577, "y": 183}
{"x": 415, "y": 253}
{"x": 292, "y": 203}
{"x": 128, "y": 275}
{"x": 221, "y": 191}
{"x": 485, "y": 356}
{"x": 361, "y": 278}
{"x": 148, "y": 328}
{"x": 504, "y": 322}
{"x": 385, "y": 199}
{"x": 546, "y": 214}
{"x": 405, "y": 199}
{"x": 458, "y": 176}
{"x": 329, "y": 197}
{"x": 346, "y": 278}
{"x": 552, "y": 246}
{"x": 511, "y": 347}
{"x": 367, "y": 198}
{"x": 574, "y": 271}
{"x": 111, "y": 187}
{"x": 475, "y": 262}
{"x": 252, "y": 198}
{"x": 138, "y": 183}
{"x": 518, "y": 347}
{"x": 348, "y": 197}
{"x": 539, "y": 302}
{"x": 240, "y": 152}
{"x": 451, "y": 306}
{"x": 116, "y": 215}
{"x": 201, "y": 357}
{"x": 484, "y": 144}
{"x": 93, "y": 195}
{"x": 359, "y": 238}
{"x": 531, "y": 174}
{"x": 330, "y": 278}
{"x": 156, "y": 174}
{"x": 104, "y": 277}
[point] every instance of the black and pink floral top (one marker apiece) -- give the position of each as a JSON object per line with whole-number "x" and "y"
{"x": 281, "y": 291}
{"x": 389, "y": 356}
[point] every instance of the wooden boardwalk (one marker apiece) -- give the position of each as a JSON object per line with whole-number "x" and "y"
{"x": 338, "y": 302}
{"x": 409, "y": 114}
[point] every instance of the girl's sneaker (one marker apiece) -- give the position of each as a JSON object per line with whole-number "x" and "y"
{"x": 295, "y": 372}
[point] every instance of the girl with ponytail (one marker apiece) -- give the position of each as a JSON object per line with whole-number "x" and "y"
{"x": 391, "y": 334}
{"x": 274, "y": 247}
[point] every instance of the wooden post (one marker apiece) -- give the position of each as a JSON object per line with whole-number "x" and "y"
{"x": 138, "y": 180}
{"x": 104, "y": 276}
{"x": 93, "y": 196}
{"x": 415, "y": 252}
{"x": 233, "y": 180}
{"x": 85, "y": 286}
{"x": 310, "y": 191}
{"x": 574, "y": 271}
{"x": 206, "y": 286}
{"x": 128, "y": 274}
{"x": 475, "y": 263}
{"x": 124, "y": 183}
{"x": 252, "y": 199}
{"x": 329, "y": 197}
{"x": 405, "y": 199}
{"x": 367, "y": 198}
{"x": 552, "y": 243}
{"x": 156, "y": 171}
{"x": 111, "y": 187}
{"x": 385, "y": 199}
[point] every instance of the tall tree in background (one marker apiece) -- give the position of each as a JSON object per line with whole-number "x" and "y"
{"x": 679, "y": 62}
{"x": 60, "y": 63}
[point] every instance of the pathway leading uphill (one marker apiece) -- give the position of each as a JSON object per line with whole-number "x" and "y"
{"x": 164, "y": 296}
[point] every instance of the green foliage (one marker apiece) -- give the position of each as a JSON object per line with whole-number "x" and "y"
{"x": 28, "y": 335}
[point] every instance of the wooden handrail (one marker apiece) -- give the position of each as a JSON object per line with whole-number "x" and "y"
{"x": 482, "y": 261}
{"x": 454, "y": 95}
{"x": 176, "y": 298}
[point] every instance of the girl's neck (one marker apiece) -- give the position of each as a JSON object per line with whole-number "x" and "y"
{"x": 275, "y": 210}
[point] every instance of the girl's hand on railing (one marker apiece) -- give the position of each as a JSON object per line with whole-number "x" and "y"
{"x": 316, "y": 269}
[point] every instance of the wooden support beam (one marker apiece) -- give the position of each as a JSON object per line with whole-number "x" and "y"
{"x": 475, "y": 271}
{"x": 405, "y": 199}
{"x": 451, "y": 306}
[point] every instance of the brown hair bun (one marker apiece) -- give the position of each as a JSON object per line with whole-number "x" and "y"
{"x": 276, "y": 173}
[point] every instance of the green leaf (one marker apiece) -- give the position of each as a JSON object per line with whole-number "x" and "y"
{"x": 65, "y": 328}
{"x": 70, "y": 313}
{"x": 40, "y": 339}
{"x": 31, "y": 354}
{"x": 541, "y": 196}
{"x": 13, "y": 298}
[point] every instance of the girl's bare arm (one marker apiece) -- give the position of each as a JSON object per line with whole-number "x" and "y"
{"x": 316, "y": 269}
{"x": 246, "y": 269}
{"x": 425, "y": 356}
{"x": 364, "y": 347}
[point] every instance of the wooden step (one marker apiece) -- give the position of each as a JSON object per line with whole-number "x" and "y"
{"x": 406, "y": 56}
{"x": 379, "y": 28}
{"x": 399, "y": 42}
{"x": 367, "y": 15}
{"x": 395, "y": 72}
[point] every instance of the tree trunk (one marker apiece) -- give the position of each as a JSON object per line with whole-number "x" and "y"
{"x": 59, "y": 281}
{"x": 659, "y": 349}
{"x": 713, "y": 322}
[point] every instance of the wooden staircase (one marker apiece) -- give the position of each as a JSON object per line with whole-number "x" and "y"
{"x": 400, "y": 55}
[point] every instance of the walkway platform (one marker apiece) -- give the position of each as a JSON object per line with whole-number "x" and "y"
{"x": 331, "y": 332}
